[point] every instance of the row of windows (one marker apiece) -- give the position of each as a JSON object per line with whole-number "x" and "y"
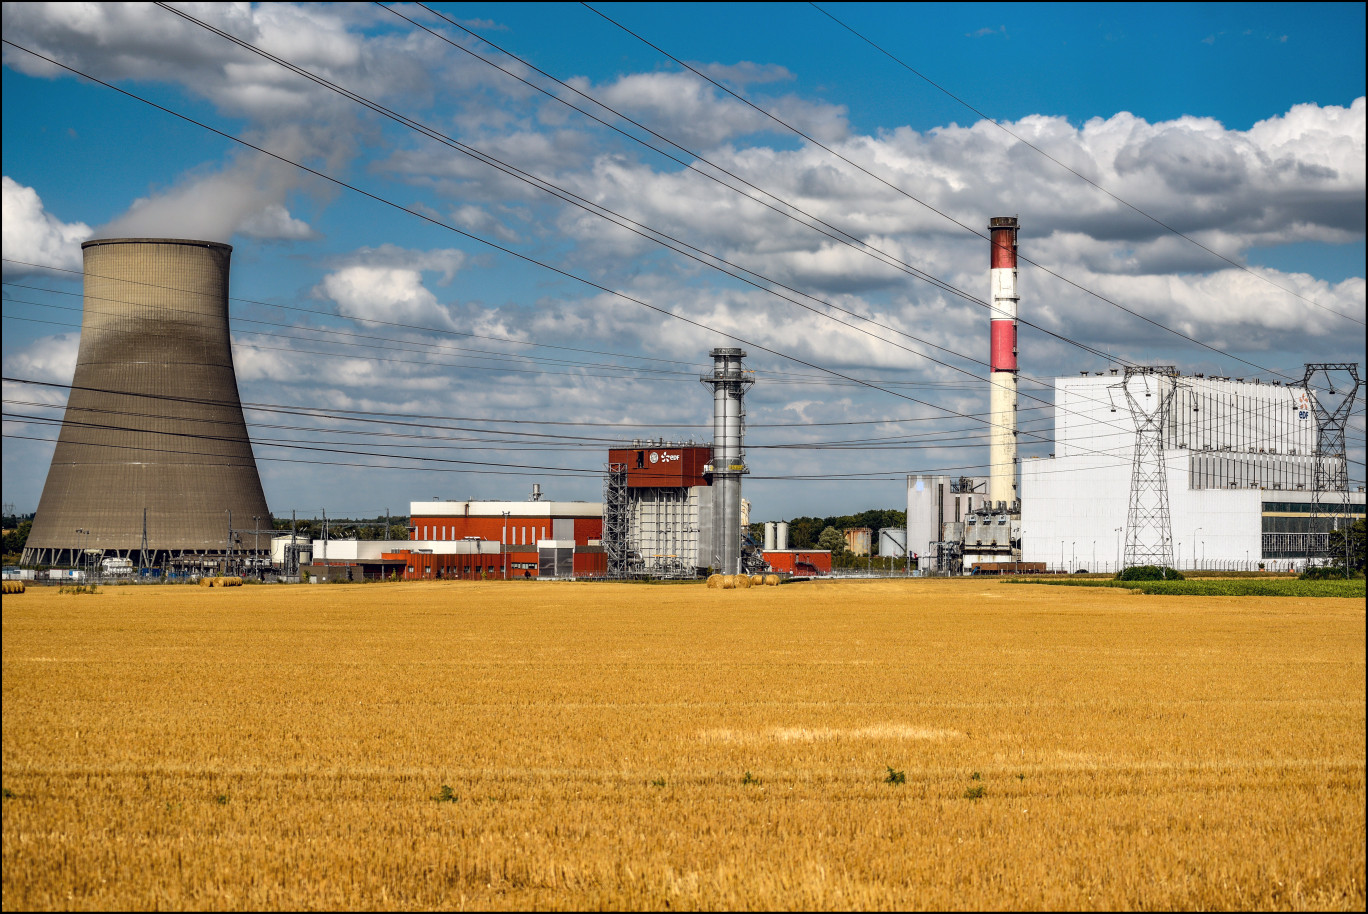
{"x": 1294, "y": 545}
{"x": 1303, "y": 507}
{"x": 1300, "y": 524}
{"x": 519, "y": 535}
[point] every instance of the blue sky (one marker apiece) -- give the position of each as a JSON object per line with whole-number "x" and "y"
{"x": 1242, "y": 125}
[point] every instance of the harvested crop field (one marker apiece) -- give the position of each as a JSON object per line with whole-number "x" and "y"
{"x": 837, "y": 744}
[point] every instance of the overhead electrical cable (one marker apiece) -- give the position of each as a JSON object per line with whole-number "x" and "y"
{"x": 750, "y": 277}
{"x": 918, "y": 200}
{"x": 637, "y": 228}
{"x": 523, "y": 438}
{"x": 421, "y": 463}
{"x": 523, "y": 257}
{"x": 1020, "y": 139}
{"x": 484, "y": 241}
{"x": 423, "y": 430}
{"x": 816, "y": 224}
{"x": 364, "y": 320}
{"x": 602, "y": 370}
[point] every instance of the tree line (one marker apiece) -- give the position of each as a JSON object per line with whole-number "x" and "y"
{"x": 806, "y": 532}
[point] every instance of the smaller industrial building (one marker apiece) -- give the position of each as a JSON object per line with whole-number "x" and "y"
{"x": 474, "y": 540}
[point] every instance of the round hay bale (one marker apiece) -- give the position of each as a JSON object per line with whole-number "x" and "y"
{"x": 741, "y": 581}
{"x": 14, "y": 587}
{"x": 728, "y": 581}
{"x": 757, "y": 580}
{"x": 714, "y": 580}
{"x": 771, "y": 580}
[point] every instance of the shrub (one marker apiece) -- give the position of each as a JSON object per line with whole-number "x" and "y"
{"x": 975, "y": 793}
{"x": 1322, "y": 573}
{"x": 446, "y": 795}
{"x": 750, "y": 779}
{"x": 894, "y": 776}
{"x": 1148, "y": 573}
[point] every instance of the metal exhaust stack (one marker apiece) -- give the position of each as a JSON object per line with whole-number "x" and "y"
{"x": 729, "y": 383}
{"x": 1002, "y": 403}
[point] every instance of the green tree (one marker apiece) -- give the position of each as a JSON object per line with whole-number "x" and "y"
{"x": 16, "y": 537}
{"x": 1356, "y": 551}
{"x": 832, "y": 539}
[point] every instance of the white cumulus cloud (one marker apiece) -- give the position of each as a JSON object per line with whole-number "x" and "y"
{"x": 33, "y": 237}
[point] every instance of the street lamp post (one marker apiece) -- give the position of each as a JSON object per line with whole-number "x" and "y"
{"x": 504, "y": 546}
{"x": 84, "y": 543}
{"x": 1061, "y": 555}
{"x": 1118, "y": 547}
{"x": 1073, "y": 556}
{"x": 1194, "y": 547}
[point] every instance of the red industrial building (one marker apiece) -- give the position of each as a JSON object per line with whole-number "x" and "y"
{"x": 664, "y": 465}
{"x": 496, "y": 539}
{"x": 661, "y": 492}
{"x": 799, "y": 562}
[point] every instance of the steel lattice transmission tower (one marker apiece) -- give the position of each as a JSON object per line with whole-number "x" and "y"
{"x": 1149, "y": 537}
{"x": 616, "y": 519}
{"x": 1332, "y": 388}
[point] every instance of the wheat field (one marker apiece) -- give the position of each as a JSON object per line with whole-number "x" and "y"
{"x": 918, "y": 744}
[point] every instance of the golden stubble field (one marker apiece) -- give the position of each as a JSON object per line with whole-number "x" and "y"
{"x": 549, "y": 745}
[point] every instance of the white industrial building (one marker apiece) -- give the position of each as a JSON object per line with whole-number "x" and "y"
{"x": 1240, "y": 459}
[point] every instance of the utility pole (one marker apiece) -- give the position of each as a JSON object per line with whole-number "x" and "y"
{"x": 1149, "y": 536}
{"x": 1332, "y": 397}
{"x": 142, "y": 551}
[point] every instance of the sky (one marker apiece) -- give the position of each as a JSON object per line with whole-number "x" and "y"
{"x": 1190, "y": 181}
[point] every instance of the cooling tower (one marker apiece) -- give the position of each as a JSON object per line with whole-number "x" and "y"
{"x": 153, "y": 452}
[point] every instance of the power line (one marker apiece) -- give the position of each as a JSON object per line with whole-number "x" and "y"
{"x": 916, "y": 199}
{"x": 1020, "y": 139}
{"x": 365, "y": 320}
{"x": 826, "y": 229}
{"x": 523, "y": 257}
{"x": 699, "y": 255}
{"x": 504, "y": 249}
{"x": 421, "y": 347}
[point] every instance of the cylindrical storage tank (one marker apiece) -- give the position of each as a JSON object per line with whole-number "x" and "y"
{"x": 153, "y": 425}
{"x": 769, "y": 536}
{"x": 781, "y": 536}
{"x": 893, "y": 541}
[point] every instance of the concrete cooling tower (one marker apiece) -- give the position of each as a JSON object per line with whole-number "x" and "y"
{"x": 153, "y": 462}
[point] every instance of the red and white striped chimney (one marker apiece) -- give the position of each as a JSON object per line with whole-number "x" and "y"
{"x": 1002, "y": 402}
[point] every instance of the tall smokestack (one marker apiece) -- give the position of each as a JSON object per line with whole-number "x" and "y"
{"x": 729, "y": 383}
{"x": 1002, "y": 403}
